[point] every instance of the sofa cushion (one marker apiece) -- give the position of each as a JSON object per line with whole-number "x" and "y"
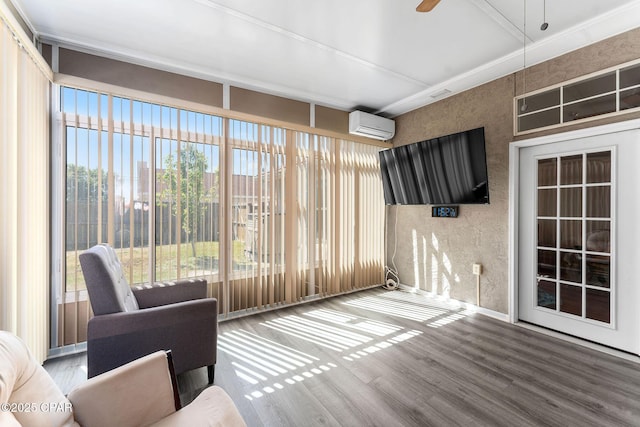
{"x": 109, "y": 291}
{"x": 23, "y": 382}
{"x": 213, "y": 407}
{"x": 8, "y": 420}
{"x": 136, "y": 394}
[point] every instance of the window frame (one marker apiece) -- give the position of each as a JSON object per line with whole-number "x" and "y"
{"x": 517, "y": 114}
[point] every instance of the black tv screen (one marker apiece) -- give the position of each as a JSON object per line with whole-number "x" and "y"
{"x": 448, "y": 170}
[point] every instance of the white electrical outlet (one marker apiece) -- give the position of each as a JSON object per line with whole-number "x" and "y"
{"x": 477, "y": 269}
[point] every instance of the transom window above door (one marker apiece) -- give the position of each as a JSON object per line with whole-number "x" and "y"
{"x": 605, "y": 93}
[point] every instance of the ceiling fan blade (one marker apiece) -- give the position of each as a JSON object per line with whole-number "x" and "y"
{"x": 427, "y": 5}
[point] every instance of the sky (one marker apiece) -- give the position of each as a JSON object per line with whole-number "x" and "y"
{"x": 89, "y": 147}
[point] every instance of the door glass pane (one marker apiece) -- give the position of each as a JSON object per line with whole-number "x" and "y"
{"x": 571, "y": 170}
{"x": 547, "y": 264}
{"x": 547, "y": 294}
{"x": 598, "y": 270}
{"x": 547, "y": 202}
{"x": 598, "y": 236}
{"x": 571, "y": 267}
{"x": 547, "y": 233}
{"x": 599, "y": 167}
{"x": 547, "y": 172}
{"x": 571, "y": 202}
{"x": 571, "y": 234}
{"x": 571, "y": 299}
{"x": 599, "y": 202}
{"x": 598, "y": 305}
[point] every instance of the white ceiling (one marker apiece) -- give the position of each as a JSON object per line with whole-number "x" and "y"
{"x": 378, "y": 55}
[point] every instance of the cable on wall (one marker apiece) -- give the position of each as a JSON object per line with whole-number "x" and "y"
{"x": 391, "y": 278}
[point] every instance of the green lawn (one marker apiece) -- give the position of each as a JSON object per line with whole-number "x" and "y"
{"x": 136, "y": 262}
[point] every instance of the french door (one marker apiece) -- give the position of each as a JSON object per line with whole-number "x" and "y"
{"x": 579, "y": 237}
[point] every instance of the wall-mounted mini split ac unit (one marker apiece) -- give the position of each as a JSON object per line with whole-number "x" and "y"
{"x": 371, "y": 126}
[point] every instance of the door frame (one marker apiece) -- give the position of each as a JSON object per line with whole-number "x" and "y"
{"x": 514, "y": 200}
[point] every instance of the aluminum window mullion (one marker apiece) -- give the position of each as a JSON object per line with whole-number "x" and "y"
{"x": 131, "y": 199}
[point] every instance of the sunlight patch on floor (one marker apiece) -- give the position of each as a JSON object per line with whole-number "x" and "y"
{"x": 257, "y": 361}
{"x": 412, "y": 306}
{"x": 320, "y": 333}
{"x": 270, "y": 366}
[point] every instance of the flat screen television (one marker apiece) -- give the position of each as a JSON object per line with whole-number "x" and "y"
{"x": 448, "y": 170}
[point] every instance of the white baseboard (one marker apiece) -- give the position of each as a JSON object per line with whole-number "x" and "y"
{"x": 456, "y": 303}
{"x": 493, "y": 314}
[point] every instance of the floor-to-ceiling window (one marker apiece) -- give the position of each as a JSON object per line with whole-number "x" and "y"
{"x": 145, "y": 179}
{"x": 267, "y": 215}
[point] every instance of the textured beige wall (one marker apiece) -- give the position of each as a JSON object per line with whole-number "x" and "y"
{"x": 436, "y": 254}
{"x": 332, "y": 119}
{"x": 271, "y": 106}
{"x": 137, "y": 77}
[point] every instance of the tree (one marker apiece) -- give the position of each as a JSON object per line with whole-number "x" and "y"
{"x": 192, "y": 167}
{"x": 86, "y": 193}
{"x": 85, "y": 181}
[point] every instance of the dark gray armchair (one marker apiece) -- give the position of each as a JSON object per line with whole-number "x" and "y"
{"x": 129, "y": 323}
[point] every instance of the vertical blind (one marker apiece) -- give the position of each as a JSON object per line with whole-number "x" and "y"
{"x": 24, "y": 188}
{"x": 269, "y": 216}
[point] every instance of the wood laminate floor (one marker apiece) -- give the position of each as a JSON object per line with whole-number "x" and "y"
{"x": 380, "y": 358}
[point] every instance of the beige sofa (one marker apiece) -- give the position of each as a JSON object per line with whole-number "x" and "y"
{"x": 140, "y": 393}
